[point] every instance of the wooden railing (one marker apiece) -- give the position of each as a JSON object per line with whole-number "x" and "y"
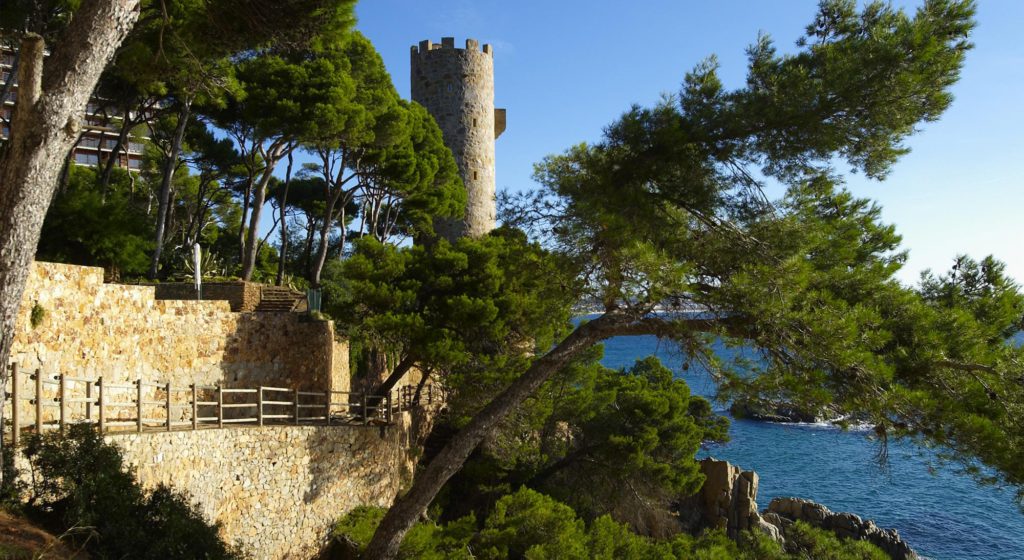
{"x": 142, "y": 406}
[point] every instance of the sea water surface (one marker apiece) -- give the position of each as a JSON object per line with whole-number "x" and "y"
{"x": 943, "y": 515}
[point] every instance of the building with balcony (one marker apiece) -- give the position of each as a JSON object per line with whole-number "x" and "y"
{"x": 100, "y": 130}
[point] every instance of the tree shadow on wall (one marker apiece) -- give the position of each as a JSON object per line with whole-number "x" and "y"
{"x": 368, "y": 463}
{"x": 285, "y": 350}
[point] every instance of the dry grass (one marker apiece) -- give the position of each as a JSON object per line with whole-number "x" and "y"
{"x": 21, "y": 540}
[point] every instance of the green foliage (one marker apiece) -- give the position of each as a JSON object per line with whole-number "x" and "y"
{"x": 37, "y": 315}
{"x": 604, "y": 441}
{"x": 433, "y": 187}
{"x": 808, "y": 279}
{"x": 452, "y": 308}
{"x": 629, "y": 431}
{"x": 425, "y": 541}
{"x": 89, "y": 225}
{"x": 412, "y": 181}
{"x": 80, "y": 481}
{"x": 528, "y": 525}
{"x": 932, "y": 363}
{"x": 185, "y": 48}
{"x": 286, "y": 96}
{"x": 334, "y": 288}
{"x": 818, "y": 544}
{"x": 47, "y": 17}
{"x": 12, "y": 488}
{"x": 359, "y": 524}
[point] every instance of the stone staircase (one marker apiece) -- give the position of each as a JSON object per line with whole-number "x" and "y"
{"x": 278, "y": 299}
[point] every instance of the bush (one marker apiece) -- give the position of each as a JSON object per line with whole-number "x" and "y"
{"x": 824, "y": 545}
{"x": 425, "y": 541}
{"x": 80, "y": 481}
{"x": 531, "y": 526}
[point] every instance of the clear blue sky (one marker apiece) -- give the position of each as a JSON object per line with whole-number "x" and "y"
{"x": 566, "y": 68}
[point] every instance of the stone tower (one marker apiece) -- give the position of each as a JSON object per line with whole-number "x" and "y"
{"x": 457, "y": 88}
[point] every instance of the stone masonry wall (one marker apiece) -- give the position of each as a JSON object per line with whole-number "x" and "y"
{"x": 457, "y": 87}
{"x": 277, "y": 491}
{"x": 242, "y": 296}
{"x": 122, "y": 333}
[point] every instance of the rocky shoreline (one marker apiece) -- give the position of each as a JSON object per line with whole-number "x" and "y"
{"x": 728, "y": 500}
{"x": 767, "y": 411}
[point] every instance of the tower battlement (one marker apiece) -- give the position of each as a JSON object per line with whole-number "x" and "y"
{"x": 427, "y": 45}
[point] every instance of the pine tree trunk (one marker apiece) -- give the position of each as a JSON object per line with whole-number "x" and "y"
{"x": 44, "y": 128}
{"x": 321, "y": 254}
{"x": 325, "y": 231}
{"x": 163, "y": 208}
{"x": 250, "y": 249}
{"x": 428, "y": 482}
{"x": 307, "y": 251}
{"x": 283, "y": 202}
{"x": 115, "y": 153}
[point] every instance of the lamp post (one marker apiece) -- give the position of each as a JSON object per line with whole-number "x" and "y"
{"x": 197, "y": 258}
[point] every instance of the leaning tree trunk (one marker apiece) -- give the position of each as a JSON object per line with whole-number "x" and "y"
{"x": 44, "y": 127}
{"x": 428, "y": 482}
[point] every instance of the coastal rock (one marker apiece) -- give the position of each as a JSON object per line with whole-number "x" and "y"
{"x": 767, "y": 411}
{"x": 728, "y": 499}
{"x": 783, "y": 512}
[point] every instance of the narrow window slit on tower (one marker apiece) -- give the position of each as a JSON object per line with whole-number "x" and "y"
{"x": 474, "y": 175}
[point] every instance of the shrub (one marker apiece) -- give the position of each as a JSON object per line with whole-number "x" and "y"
{"x": 824, "y": 545}
{"x": 80, "y": 481}
{"x": 38, "y": 315}
{"x": 528, "y": 525}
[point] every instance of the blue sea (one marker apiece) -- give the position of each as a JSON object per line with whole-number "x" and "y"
{"x": 943, "y": 515}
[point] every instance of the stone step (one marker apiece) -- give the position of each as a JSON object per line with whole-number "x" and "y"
{"x": 276, "y": 299}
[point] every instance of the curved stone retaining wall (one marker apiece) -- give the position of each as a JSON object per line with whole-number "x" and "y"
{"x": 277, "y": 491}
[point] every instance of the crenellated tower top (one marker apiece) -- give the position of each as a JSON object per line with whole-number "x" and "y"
{"x": 427, "y": 45}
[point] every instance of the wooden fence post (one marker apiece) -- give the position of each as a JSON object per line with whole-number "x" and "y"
{"x": 327, "y": 396}
{"x": 167, "y": 390}
{"x": 39, "y": 401}
{"x": 259, "y": 407}
{"x": 88, "y": 402}
{"x": 390, "y": 415}
{"x": 15, "y": 406}
{"x": 138, "y": 405}
{"x": 100, "y": 403}
{"x": 296, "y": 407}
{"x": 366, "y": 413}
{"x": 63, "y": 395}
{"x": 220, "y": 407}
{"x": 195, "y": 407}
